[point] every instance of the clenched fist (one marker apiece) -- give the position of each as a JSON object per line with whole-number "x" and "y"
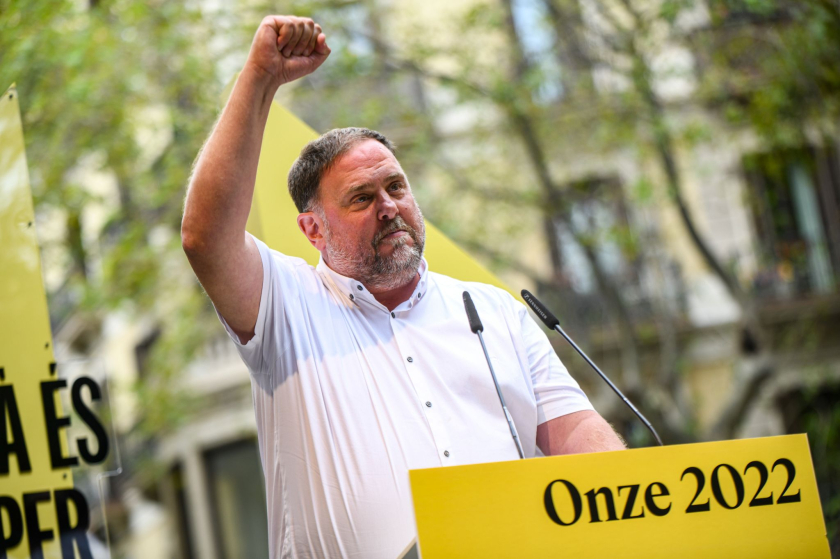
{"x": 287, "y": 48}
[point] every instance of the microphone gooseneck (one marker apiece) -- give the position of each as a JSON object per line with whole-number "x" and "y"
{"x": 551, "y": 321}
{"x": 477, "y": 328}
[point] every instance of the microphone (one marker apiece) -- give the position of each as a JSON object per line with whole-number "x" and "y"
{"x": 472, "y": 314}
{"x": 477, "y": 328}
{"x": 551, "y": 321}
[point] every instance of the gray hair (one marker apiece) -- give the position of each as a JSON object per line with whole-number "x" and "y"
{"x": 318, "y": 156}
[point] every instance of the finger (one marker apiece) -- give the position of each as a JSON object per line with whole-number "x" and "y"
{"x": 321, "y": 46}
{"x": 275, "y": 22}
{"x": 305, "y": 38}
{"x": 313, "y": 42}
{"x": 285, "y": 34}
{"x": 297, "y": 31}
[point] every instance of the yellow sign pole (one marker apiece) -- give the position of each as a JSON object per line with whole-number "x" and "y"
{"x": 744, "y": 498}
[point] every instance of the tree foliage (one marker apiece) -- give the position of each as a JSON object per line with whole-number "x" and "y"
{"x": 116, "y": 100}
{"x": 540, "y": 93}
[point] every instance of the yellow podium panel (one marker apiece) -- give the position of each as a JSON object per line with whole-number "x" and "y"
{"x": 744, "y": 498}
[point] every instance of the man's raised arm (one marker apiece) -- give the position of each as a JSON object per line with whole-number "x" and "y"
{"x": 219, "y": 196}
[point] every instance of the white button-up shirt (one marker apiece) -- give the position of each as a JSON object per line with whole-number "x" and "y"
{"x": 349, "y": 396}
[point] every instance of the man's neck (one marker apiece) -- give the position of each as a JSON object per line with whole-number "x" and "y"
{"x": 392, "y": 298}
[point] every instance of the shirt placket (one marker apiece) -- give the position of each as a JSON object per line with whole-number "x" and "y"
{"x": 416, "y": 365}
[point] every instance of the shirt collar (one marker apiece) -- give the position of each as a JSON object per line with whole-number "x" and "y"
{"x": 355, "y": 291}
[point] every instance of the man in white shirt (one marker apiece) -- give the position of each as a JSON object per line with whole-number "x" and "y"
{"x": 363, "y": 367}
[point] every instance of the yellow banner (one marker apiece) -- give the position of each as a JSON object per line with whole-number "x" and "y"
{"x": 42, "y": 514}
{"x": 27, "y": 479}
{"x": 745, "y": 498}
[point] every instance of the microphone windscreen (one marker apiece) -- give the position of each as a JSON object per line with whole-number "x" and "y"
{"x": 539, "y": 309}
{"x": 472, "y": 314}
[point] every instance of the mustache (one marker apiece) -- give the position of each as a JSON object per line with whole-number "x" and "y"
{"x": 396, "y": 224}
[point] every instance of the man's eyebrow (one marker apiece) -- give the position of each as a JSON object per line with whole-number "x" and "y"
{"x": 364, "y": 185}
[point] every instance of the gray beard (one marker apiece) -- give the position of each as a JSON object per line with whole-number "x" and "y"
{"x": 377, "y": 272}
{"x": 396, "y": 270}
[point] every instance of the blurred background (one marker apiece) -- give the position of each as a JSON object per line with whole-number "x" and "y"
{"x": 664, "y": 174}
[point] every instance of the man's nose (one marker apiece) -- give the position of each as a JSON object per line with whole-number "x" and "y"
{"x": 387, "y": 209}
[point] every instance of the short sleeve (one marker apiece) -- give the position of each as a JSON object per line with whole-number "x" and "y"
{"x": 556, "y": 392}
{"x": 261, "y": 352}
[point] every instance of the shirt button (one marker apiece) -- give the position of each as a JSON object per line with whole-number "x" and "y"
{"x": 410, "y": 359}
{"x": 393, "y": 315}
{"x": 428, "y": 404}
{"x": 351, "y": 297}
{"x": 446, "y": 453}
{"x": 419, "y": 295}
{"x": 359, "y": 287}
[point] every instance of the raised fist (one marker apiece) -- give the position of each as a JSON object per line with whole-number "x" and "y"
{"x": 287, "y": 48}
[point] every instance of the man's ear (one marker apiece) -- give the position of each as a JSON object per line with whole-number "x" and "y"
{"x": 313, "y": 227}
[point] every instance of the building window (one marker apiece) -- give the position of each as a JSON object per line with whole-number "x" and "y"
{"x": 794, "y": 199}
{"x": 176, "y": 478}
{"x": 599, "y": 228}
{"x": 539, "y": 43}
{"x": 596, "y": 230}
{"x": 237, "y": 494}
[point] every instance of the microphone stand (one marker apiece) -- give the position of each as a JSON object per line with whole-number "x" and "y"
{"x": 477, "y": 328}
{"x": 551, "y": 321}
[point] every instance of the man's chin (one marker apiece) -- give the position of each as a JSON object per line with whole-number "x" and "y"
{"x": 388, "y": 247}
{"x": 392, "y": 279}
{"x": 403, "y": 261}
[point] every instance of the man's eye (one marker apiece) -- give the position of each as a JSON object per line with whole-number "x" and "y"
{"x": 361, "y": 199}
{"x": 396, "y": 186}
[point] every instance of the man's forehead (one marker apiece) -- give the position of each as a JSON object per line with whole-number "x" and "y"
{"x": 368, "y": 160}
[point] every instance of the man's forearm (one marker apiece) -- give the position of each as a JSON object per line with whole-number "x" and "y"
{"x": 222, "y": 186}
{"x": 577, "y": 433}
{"x": 284, "y": 49}
{"x": 220, "y": 193}
{"x": 593, "y": 434}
